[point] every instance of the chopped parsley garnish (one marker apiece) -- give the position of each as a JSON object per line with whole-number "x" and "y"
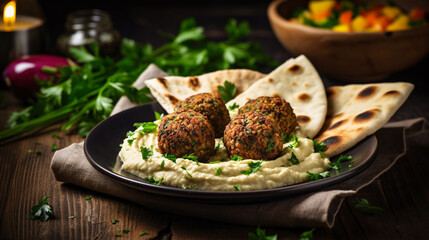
{"x": 130, "y": 141}
{"x": 214, "y": 162}
{"x": 319, "y": 147}
{"x": 88, "y": 197}
{"x": 72, "y": 217}
{"x": 42, "y": 210}
{"x": 162, "y": 163}
{"x": 147, "y": 127}
{"x": 114, "y": 221}
{"x": 158, "y": 116}
{"x": 118, "y": 235}
{"x": 170, "y": 157}
{"x": 237, "y": 188}
{"x": 293, "y": 159}
{"x": 130, "y": 133}
{"x": 38, "y": 153}
{"x": 182, "y": 167}
{"x": 308, "y": 235}
{"x": 54, "y": 147}
{"x": 337, "y": 164}
{"x": 191, "y": 157}
{"x": 236, "y": 158}
{"x": 154, "y": 181}
{"x": 364, "y": 206}
{"x": 260, "y": 235}
{"x": 227, "y": 91}
{"x": 126, "y": 230}
{"x": 217, "y": 146}
{"x": 233, "y": 106}
{"x": 146, "y": 152}
{"x": 218, "y": 171}
{"x": 143, "y": 233}
{"x": 254, "y": 167}
{"x": 294, "y": 140}
{"x": 314, "y": 177}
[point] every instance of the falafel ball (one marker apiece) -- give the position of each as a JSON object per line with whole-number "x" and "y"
{"x": 252, "y": 135}
{"x": 275, "y": 107}
{"x": 211, "y": 106}
{"x": 186, "y": 132}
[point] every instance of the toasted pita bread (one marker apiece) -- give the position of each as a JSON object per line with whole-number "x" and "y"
{"x": 168, "y": 91}
{"x": 357, "y": 111}
{"x": 298, "y": 82}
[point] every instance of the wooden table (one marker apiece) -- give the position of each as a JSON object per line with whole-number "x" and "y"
{"x": 26, "y": 177}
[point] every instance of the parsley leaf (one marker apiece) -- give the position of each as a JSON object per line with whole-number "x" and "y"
{"x": 364, "y": 206}
{"x": 314, "y": 177}
{"x": 307, "y": 235}
{"x": 337, "y": 164}
{"x": 154, "y": 181}
{"x": 42, "y": 210}
{"x": 227, "y": 91}
{"x": 88, "y": 197}
{"x": 114, "y": 221}
{"x": 237, "y": 188}
{"x": 147, "y": 127}
{"x": 146, "y": 152}
{"x": 233, "y": 106}
{"x": 319, "y": 147}
{"x": 236, "y": 158}
{"x": 170, "y": 157}
{"x": 126, "y": 230}
{"x": 294, "y": 139}
{"x": 143, "y": 233}
{"x": 191, "y": 157}
{"x": 254, "y": 167}
{"x": 218, "y": 171}
{"x": 182, "y": 167}
{"x": 261, "y": 235}
{"x": 54, "y": 147}
{"x": 293, "y": 159}
{"x": 158, "y": 116}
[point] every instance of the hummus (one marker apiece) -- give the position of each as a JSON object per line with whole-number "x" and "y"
{"x": 221, "y": 173}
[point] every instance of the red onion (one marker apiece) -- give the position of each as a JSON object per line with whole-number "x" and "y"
{"x": 21, "y": 74}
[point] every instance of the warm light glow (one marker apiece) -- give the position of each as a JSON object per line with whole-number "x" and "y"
{"x": 9, "y": 13}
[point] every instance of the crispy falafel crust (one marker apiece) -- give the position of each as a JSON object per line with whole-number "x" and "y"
{"x": 186, "y": 132}
{"x": 252, "y": 135}
{"x": 211, "y": 106}
{"x": 275, "y": 107}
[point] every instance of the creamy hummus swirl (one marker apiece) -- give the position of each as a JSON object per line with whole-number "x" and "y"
{"x": 221, "y": 173}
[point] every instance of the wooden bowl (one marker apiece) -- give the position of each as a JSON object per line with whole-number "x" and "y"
{"x": 350, "y": 57}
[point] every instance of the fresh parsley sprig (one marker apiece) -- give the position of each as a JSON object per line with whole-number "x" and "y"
{"x": 85, "y": 93}
{"x": 261, "y": 235}
{"x": 314, "y": 177}
{"x": 364, "y": 206}
{"x": 42, "y": 210}
{"x": 253, "y": 167}
{"x": 227, "y": 91}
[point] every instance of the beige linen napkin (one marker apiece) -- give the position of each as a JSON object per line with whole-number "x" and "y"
{"x": 314, "y": 209}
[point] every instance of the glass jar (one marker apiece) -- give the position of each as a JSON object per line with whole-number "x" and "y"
{"x": 88, "y": 26}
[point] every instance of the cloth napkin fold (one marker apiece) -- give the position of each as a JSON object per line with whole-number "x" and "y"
{"x": 314, "y": 209}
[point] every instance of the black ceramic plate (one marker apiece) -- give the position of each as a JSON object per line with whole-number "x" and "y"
{"x": 102, "y": 148}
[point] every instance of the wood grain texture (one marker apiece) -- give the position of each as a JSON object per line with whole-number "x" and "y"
{"x": 25, "y": 177}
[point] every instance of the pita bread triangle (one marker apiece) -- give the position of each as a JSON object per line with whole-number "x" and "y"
{"x": 358, "y": 110}
{"x": 168, "y": 91}
{"x": 298, "y": 82}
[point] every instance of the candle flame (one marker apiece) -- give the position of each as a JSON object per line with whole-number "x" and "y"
{"x": 9, "y": 13}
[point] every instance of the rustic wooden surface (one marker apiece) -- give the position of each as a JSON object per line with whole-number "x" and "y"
{"x": 26, "y": 177}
